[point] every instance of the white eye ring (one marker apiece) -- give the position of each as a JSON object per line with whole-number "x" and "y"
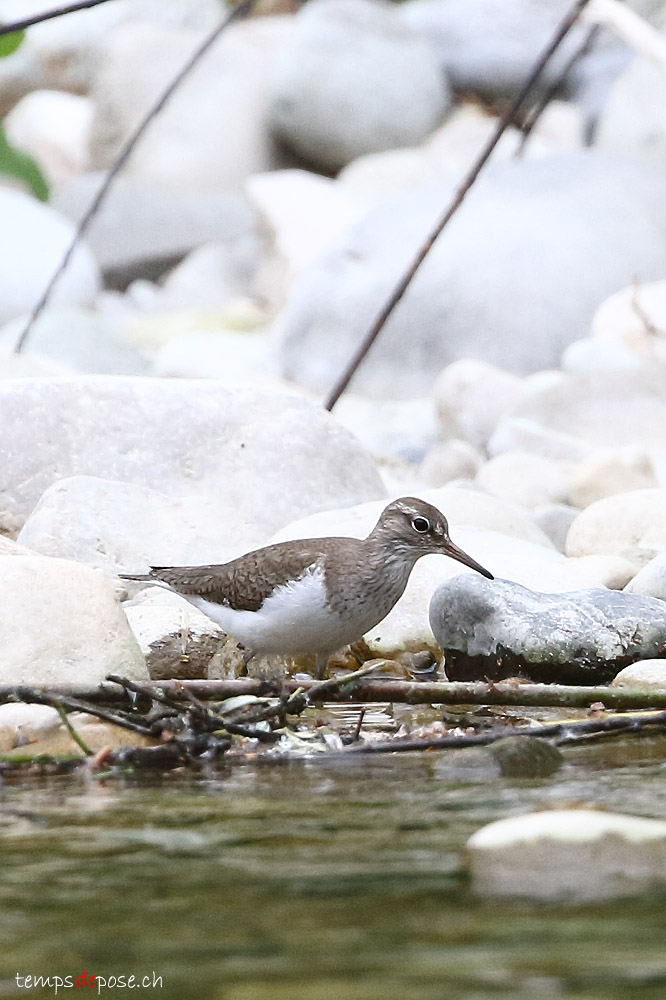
{"x": 421, "y": 524}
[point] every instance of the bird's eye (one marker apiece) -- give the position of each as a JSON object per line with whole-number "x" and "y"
{"x": 421, "y": 524}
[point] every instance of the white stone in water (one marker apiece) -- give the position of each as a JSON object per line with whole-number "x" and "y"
{"x": 568, "y": 855}
{"x": 631, "y": 525}
{"x": 643, "y": 673}
{"x": 60, "y": 623}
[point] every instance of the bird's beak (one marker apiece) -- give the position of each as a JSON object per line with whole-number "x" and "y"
{"x": 451, "y": 549}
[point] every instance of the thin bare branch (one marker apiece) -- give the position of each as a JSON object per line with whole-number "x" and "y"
{"x": 381, "y": 690}
{"x": 47, "y": 15}
{"x": 244, "y": 8}
{"x": 560, "y": 34}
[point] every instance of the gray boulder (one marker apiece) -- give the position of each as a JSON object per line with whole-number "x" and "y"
{"x": 515, "y": 278}
{"x": 353, "y": 80}
{"x": 265, "y": 457}
{"x": 497, "y": 629}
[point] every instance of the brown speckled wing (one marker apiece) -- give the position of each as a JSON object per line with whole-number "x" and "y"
{"x": 245, "y": 583}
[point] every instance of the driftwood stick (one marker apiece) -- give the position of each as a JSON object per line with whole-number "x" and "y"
{"x": 507, "y": 119}
{"x": 403, "y": 692}
{"x": 73, "y": 704}
{"x": 561, "y": 732}
{"x": 72, "y": 731}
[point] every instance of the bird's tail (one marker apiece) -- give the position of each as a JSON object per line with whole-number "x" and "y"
{"x": 136, "y": 576}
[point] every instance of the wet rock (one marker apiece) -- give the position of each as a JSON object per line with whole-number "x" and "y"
{"x": 630, "y": 525}
{"x": 465, "y": 286}
{"x": 568, "y": 855}
{"x": 175, "y": 638}
{"x": 526, "y": 757}
{"x": 360, "y": 57}
{"x": 524, "y": 478}
{"x": 217, "y": 120}
{"x": 645, "y": 673}
{"x": 60, "y": 623}
{"x": 34, "y": 239}
{"x": 606, "y": 473}
{"x": 265, "y": 456}
{"x": 499, "y": 629}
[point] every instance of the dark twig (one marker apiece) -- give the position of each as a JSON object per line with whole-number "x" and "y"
{"x": 240, "y": 11}
{"x": 562, "y": 31}
{"x": 33, "y": 696}
{"x": 562, "y": 732}
{"x": 550, "y": 94}
{"x": 47, "y": 15}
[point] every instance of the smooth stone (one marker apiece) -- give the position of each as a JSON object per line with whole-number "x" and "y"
{"x": 302, "y": 213}
{"x": 77, "y": 340}
{"x": 568, "y": 855}
{"x": 449, "y": 460}
{"x": 470, "y": 288}
{"x": 633, "y": 321}
{"x": 230, "y": 356}
{"x": 22, "y": 723}
{"x": 630, "y": 525}
{"x": 555, "y": 519}
{"x": 359, "y": 58}
{"x": 212, "y": 275}
{"x": 521, "y": 477}
{"x": 95, "y": 733}
{"x": 521, "y": 434}
{"x": 53, "y": 128}
{"x": 593, "y": 356}
{"x": 471, "y": 396}
{"x": 34, "y": 240}
{"x": 612, "y": 411}
{"x": 218, "y": 119}
{"x": 175, "y": 639}
{"x": 61, "y": 624}
{"x": 265, "y": 456}
{"x": 606, "y": 473}
{"x": 633, "y": 119}
{"x": 499, "y": 629}
{"x": 650, "y": 581}
{"x": 645, "y": 673}
{"x": 526, "y": 757}
{"x": 401, "y": 428}
{"x": 164, "y": 228}
{"x": 488, "y": 46}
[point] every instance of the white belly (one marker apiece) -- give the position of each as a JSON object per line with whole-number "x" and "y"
{"x": 294, "y": 620}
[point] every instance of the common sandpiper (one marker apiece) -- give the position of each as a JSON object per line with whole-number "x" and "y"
{"x": 315, "y": 595}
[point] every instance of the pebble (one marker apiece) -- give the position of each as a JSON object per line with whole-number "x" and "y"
{"x": 644, "y": 673}
{"x": 631, "y": 525}
{"x": 568, "y": 856}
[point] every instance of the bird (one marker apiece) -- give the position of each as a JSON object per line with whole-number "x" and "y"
{"x": 315, "y": 595}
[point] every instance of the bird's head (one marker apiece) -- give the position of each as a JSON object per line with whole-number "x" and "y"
{"x": 417, "y": 528}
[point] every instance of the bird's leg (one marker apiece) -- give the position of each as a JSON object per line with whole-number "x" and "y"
{"x": 247, "y": 656}
{"x": 321, "y": 665}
